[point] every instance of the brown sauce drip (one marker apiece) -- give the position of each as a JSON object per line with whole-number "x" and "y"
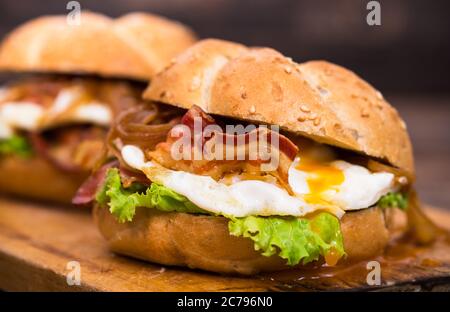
{"x": 403, "y": 260}
{"x": 423, "y": 252}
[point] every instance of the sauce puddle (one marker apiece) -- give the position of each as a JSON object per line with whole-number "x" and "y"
{"x": 403, "y": 261}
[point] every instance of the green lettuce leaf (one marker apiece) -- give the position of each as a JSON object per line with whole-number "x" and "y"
{"x": 394, "y": 200}
{"x": 294, "y": 239}
{"x": 15, "y": 145}
{"x": 122, "y": 202}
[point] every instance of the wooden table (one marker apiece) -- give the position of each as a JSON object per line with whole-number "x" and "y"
{"x": 38, "y": 241}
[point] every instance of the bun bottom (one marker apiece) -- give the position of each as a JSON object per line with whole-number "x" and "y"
{"x": 203, "y": 242}
{"x": 35, "y": 178}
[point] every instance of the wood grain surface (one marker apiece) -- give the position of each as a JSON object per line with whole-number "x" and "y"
{"x": 37, "y": 242}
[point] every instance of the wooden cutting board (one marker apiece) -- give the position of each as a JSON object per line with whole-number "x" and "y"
{"x": 38, "y": 241}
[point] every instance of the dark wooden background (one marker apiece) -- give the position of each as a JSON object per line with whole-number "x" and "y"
{"x": 407, "y": 57}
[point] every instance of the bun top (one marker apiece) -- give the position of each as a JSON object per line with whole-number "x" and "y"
{"x": 136, "y": 45}
{"x": 317, "y": 99}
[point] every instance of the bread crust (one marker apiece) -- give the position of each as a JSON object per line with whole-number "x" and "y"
{"x": 203, "y": 242}
{"x": 317, "y": 99}
{"x": 135, "y": 46}
{"x": 35, "y": 178}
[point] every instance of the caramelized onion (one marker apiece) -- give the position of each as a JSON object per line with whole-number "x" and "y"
{"x": 143, "y": 125}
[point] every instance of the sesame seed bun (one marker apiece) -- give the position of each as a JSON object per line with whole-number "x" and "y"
{"x": 203, "y": 242}
{"x": 134, "y": 46}
{"x": 317, "y": 99}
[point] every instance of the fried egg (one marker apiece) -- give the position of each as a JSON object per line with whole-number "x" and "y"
{"x": 21, "y": 115}
{"x": 338, "y": 183}
{"x": 244, "y": 198}
{"x": 335, "y": 187}
{"x": 64, "y": 109}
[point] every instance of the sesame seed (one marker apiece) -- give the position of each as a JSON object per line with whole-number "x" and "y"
{"x": 301, "y": 118}
{"x": 402, "y": 180}
{"x": 195, "y": 84}
{"x": 402, "y": 124}
{"x": 355, "y": 134}
{"x": 277, "y": 59}
{"x": 379, "y": 95}
{"x": 316, "y": 121}
{"x": 305, "y": 109}
{"x": 165, "y": 94}
{"x": 323, "y": 91}
{"x": 365, "y": 113}
{"x": 288, "y": 69}
{"x": 313, "y": 116}
{"x": 252, "y": 109}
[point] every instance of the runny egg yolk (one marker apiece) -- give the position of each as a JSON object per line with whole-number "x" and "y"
{"x": 332, "y": 257}
{"x": 321, "y": 177}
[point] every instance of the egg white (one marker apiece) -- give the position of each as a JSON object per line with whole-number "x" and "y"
{"x": 23, "y": 115}
{"x": 244, "y": 198}
{"x": 32, "y": 116}
{"x": 360, "y": 189}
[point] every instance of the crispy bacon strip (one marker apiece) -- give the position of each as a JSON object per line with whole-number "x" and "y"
{"x": 41, "y": 147}
{"x": 129, "y": 177}
{"x": 69, "y": 149}
{"x": 285, "y": 145}
{"x": 216, "y": 168}
{"x": 86, "y": 192}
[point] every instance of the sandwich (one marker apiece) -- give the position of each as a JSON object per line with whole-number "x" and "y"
{"x": 67, "y": 82}
{"x": 337, "y": 186}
